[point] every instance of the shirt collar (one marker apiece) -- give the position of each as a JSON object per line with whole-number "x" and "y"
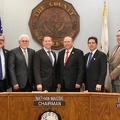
{"x": 46, "y": 49}
{"x": 93, "y": 52}
{"x": 69, "y": 50}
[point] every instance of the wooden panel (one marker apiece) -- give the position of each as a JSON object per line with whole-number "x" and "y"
{"x": 22, "y": 106}
{"x": 103, "y": 107}
{"x": 3, "y": 106}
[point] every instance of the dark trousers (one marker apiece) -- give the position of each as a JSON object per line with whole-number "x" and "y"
{"x": 2, "y": 85}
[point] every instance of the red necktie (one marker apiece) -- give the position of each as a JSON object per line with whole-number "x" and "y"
{"x": 66, "y": 58}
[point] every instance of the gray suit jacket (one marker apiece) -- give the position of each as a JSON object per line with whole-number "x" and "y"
{"x": 114, "y": 65}
{"x": 44, "y": 72}
{"x": 20, "y": 73}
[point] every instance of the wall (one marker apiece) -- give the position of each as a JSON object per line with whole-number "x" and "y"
{"x": 16, "y": 13}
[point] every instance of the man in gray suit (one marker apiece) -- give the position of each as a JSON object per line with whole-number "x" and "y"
{"x": 21, "y": 66}
{"x": 114, "y": 65}
{"x": 45, "y": 67}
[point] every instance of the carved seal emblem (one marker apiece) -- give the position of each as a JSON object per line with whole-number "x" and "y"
{"x": 56, "y": 18}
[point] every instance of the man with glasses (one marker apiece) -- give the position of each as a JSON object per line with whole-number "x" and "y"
{"x": 114, "y": 65}
{"x": 21, "y": 66}
{"x": 4, "y": 76}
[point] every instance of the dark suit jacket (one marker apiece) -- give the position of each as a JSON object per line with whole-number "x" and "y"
{"x": 72, "y": 72}
{"x": 7, "y": 78}
{"x": 44, "y": 72}
{"x": 96, "y": 72}
{"x": 20, "y": 73}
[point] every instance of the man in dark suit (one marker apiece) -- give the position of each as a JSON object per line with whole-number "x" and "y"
{"x": 96, "y": 68}
{"x": 70, "y": 67}
{"x": 4, "y": 74}
{"x": 45, "y": 67}
{"x": 21, "y": 66}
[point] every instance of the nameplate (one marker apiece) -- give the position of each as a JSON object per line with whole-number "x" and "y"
{"x": 49, "y": 101}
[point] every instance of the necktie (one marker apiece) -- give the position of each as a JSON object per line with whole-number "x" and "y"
{"x": 26, "y": 57}
{"x": 66, "y": 58}
{"x": 0, "y": 68}
{"x": 89, "y": 60}
{"x": 49, "y": 54}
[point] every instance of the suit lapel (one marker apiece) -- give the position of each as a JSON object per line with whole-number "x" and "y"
{"x": 46, "y": 56}
{"x": 70, "y": 56}
{"x": 20, "y": 51}
{"x": 117, "y": 52}
{"x": 93, "y": 58}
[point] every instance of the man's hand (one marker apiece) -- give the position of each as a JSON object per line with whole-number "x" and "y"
{"x": 77, "y": 86}
{"x": 39, "y": 87}
{"x": 98, "y": 87}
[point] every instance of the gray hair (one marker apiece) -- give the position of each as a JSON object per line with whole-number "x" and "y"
{"x": 23, "y": 36}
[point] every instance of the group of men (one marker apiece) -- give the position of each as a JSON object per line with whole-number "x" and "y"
{"x": 25, "y": 70}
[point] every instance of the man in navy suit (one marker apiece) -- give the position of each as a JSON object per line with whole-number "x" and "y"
{"x": 45, "y": 67}
{"x": 21, "y": 66}
{"x": 4, "y": 79}
{"x": 70, "y": 67}
{"x": 96, "y": 69}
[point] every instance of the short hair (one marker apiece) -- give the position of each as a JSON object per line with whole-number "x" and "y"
{"x": 47, "y": 36}
{"x": 118, "y": 30}
{"x": 94, "y": 38}
{"x": 68, "y": 37}
{"x": 23, "y": 36}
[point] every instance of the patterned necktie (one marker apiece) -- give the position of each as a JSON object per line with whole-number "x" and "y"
{"x": 0, "y": 68}
{"x": 26, "y": 57}
{"x": 49, "y": 54}
{"x": 66, "y": 58}
{"x": 89, "y": 60}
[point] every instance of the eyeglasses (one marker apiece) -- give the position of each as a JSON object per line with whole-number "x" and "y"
{"x": 117, "y": 35}
{"x": 1, "y": 40}
{"x": 24, "y": 41}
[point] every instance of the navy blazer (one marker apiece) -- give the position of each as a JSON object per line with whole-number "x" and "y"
{"x": 96, "y": 72}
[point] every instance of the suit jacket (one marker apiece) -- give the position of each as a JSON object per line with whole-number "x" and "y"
{"x": 114, "y": 65}
{"x": 72, "y": 72}
{"x": 96, "y": 72}
{"x": 20, "y": 73}
{"x": 7, "y": 77}
{"x": 44, "y": 72}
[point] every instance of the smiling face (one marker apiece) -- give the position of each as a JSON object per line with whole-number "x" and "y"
{"x": 68, "y": 43}
{"x": 1, "y": 41}
{"x": 24, "y": 42}
{"x": 92, "y": 44}
{"x": 47, "y": 42}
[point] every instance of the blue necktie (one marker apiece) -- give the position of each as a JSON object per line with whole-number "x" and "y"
{"x": 89, "y": 60}
{"x": 0, "y": 68}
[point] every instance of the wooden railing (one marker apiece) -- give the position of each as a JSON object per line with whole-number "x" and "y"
{"x": 70, "y": 106}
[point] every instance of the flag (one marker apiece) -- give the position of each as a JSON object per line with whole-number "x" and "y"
{"x": 1, "y": 30}
{"x": 104, "y": 36}
{"x": 105, "y": 45}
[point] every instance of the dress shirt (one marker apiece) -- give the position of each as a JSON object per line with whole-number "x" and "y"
{"x": 3, "y": 63}
{"x": 46, "y": 50}
{"x": 68, "y": 53}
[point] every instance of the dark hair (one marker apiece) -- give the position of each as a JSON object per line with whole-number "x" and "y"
{"x": 94, "y": 38}
{"x": 118, "y": 30}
